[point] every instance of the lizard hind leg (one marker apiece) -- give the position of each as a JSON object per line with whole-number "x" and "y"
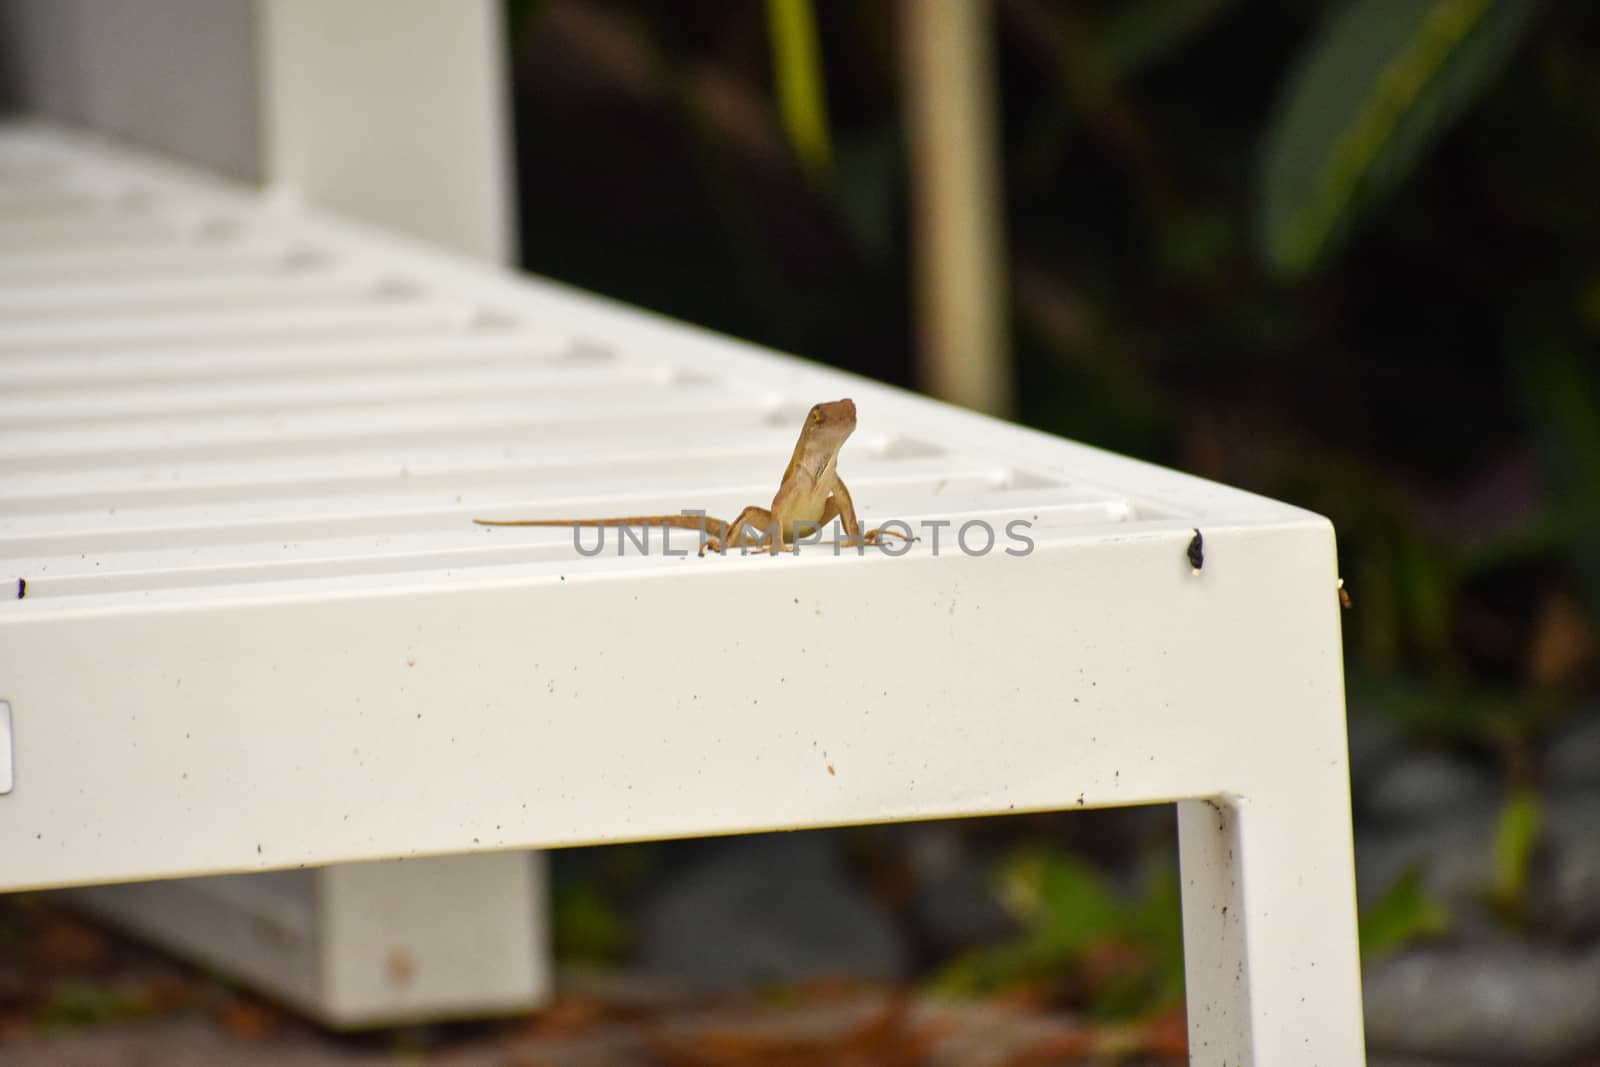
{"x": 737, "y": 535}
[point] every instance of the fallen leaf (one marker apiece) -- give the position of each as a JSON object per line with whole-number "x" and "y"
{"x": 62, "y": 944}
{"x": 250, "y": 1020}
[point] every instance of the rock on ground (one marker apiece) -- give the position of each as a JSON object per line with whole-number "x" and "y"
{"x": 1500, "y": 1003}
{"x": 774, "y": 909}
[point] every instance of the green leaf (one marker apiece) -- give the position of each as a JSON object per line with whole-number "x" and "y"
{"x": 1515, "y": 839}
{"x": 1405, "y": 915}
{"x": 797, "y": 63}
{"x": 1378, "y": 86}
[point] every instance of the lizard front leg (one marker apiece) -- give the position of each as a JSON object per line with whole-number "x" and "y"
{"x": 839, "y": 504}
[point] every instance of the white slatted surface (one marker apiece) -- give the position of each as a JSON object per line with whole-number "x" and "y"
{"x": 202, "y": 390}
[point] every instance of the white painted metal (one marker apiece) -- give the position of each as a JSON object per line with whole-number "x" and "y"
{"x": 265, "y": 634}
{"x": 7, "y": 779}
{"x": 358, "y": 943}
{"x": 392, "y": 111}
{"x": 176, "y": 75}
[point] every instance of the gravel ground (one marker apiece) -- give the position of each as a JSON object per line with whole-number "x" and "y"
{"x": 72, "y": 992}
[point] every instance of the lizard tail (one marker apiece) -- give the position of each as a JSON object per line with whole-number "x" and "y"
{"x": 714, "y": 527}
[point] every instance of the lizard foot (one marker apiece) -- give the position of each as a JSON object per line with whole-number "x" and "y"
{"x": 876, "y": 536}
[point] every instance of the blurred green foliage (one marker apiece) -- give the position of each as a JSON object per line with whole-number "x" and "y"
{"x": 1404, "y": 915}
{"x": 1407, "y": 913}
{"x": 587, "y": 924}
{"x": 1076, "y": 921}
{"x": 799, "y": 78}
{"x": 1375, "y": 88}
{"x": 1516, "y": 838}
{"x": 591, "y": 894}
{"x": 75, "y": 1003}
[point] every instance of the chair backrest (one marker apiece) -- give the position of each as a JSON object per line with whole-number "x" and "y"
{"x": 389, "y": 111}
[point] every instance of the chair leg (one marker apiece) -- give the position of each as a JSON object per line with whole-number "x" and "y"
{"x": 1271, "y": 961}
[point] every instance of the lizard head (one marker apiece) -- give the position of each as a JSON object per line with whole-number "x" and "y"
{"x": 828, "y": 425}
{"x": 833, "y": 419}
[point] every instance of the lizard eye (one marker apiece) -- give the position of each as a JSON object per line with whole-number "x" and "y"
{"x": 816, "y": 415}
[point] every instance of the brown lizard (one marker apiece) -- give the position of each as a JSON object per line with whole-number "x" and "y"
{"x": 809, "y": 498}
